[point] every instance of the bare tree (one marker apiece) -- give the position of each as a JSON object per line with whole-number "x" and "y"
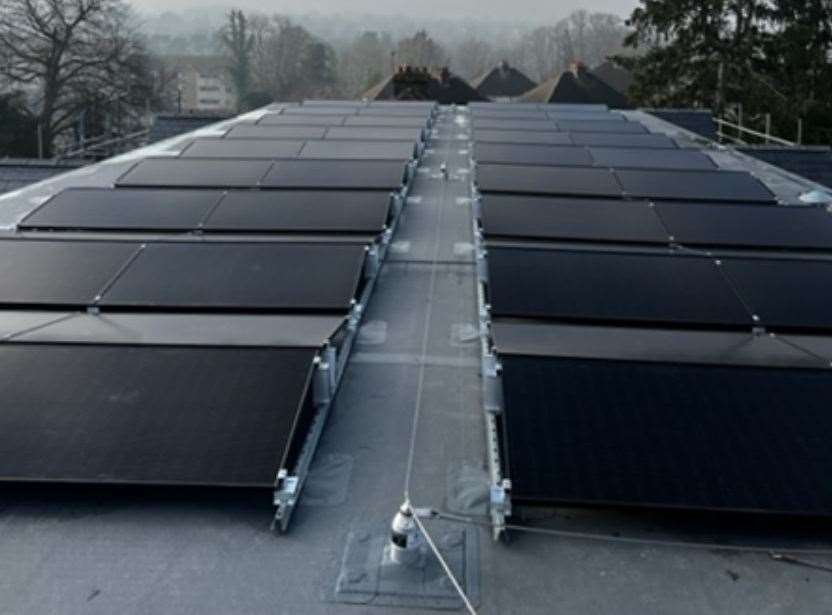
{"x": 472, "y": 57}
{"x": 421, "y": 50}
{"x": 239, "y": 45}
{"x": 64, "y": 51}
{"x": 365, "y": 62}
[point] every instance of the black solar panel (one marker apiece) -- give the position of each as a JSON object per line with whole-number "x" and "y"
{"x": 584, "y": 431}
{"x": 522, "y": 136}
{"x": 694, "y": 185}
{"x": 396, "y": 109}
{"x": 738, "y": 348}
{"x": 374, "y": 133}
{"x": 644, "y": 158}
{"x": 258, "y": 131}
{"x": 243, "y": 277}
{"x": 606, "y": 126}
{"x": 490, "y": 114}
{"x": 123, "y": 209}
{"x": 583, "y": 116}
{"x": 512, "y": 124}
{"x": 336, "y": 174}
{"x": 58, "y": 272}
{"x": 392, "y": 121}
{"x": 547, "y": 180}
{"x": 333, "y": 109}
{"x": 571, "y": 219}
{"x": 611, "y": 287}
{"x": 195, "y": 173}
{"x": 184, "y": 416}
{"x": 601, "y": 139}
{"x": 358, "y": 150}
{"x": 785, "y": 293}
{"x": 273, "y": 119}
{"x": 301, "y": 211}
{"x": 753, "y": 226}
{"x": 242, "y": 148}
{"x": 512, "y": 153}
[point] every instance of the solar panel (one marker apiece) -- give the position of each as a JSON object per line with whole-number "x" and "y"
{"x": 571, "y": 219}
{"x": 273, "y": 119}
{"x": 539, "y": 339}
{"x": 257, "y": 131}
{"x": 522, "y": 136}
{"x": 336, "y": 174}
{"x": 651, "y": 158}
{"x": 195, "y": 173}
{"x": 155, "y": 329}
{"x": 392, "y": 121}
{"x": 585, "y": 116}
{"x": 588, "y": 431}
{"x": 547, "y": 180}
{"x": 612, "y": 126}
{"x": 374, "y": 133}
{"x": 754, "y": 226}
{"x": 507, "y": 124}
{"x": 396, "y": 109}
{"x": 242, "y": 148}
{"x": 786, "y": 293}
{"x": 478, "y": 114}
{"x": 358, "y": 150}
{"x": 513, "y": 153}
{"x": 611, "y": 287}
{"x": 243, "y": 277}
{"x": 322, "y": 109}
{"x": 123, "y": 209}
{"x": 601, "y": 139}
{"x": 58, "y": 272}
{"x": 301, "y": 211}
{"x": 184, "y": 416}
{"x": 694, "y": 185}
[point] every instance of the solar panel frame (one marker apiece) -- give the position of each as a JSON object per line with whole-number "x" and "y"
{"x": 373, "y": 133}
{"x": 106, "y": 209}
{"x": 594, "y": 220}
{"x": 279, "y": 119}
{"x": 612, "y": 287}
{"x": 298, "y": 211}
{"x": 565, "y": 181}
{"x": 266, "y": 149}
{"x": 537, "y": 155}
{"x": 195, "y": 173}
{"x": 336, "y": 175}
{"x": 257, "y": 131}
{"x": 629, "y": 433}
{"x": 748, "y": 226}
{"x": 59, "y": 273}
{"x": 252, "y": 277}
{"x": 784, "y": 293}
{"x": 603, "y": 126}
{"x": 357, "y": 150}
{"x": 153, "y": 416}
{"x": 522, "y": 136}
{"x": 716, "y": 185}
{"x": 676, "y": 159}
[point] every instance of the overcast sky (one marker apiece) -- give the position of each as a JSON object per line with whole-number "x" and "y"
{"x": 511, "y": 9}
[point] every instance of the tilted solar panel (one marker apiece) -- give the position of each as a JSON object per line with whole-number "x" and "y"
{"x": 611, "y": 287}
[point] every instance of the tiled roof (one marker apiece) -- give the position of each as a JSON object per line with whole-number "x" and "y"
{"x": 16, "y": 173}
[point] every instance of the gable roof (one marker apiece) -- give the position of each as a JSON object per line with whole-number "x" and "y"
{"x": 578, "y": 86}
{"x": 503, "y": 80}
{"x": 410, "y": 83}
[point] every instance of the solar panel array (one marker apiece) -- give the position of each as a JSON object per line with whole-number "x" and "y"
{"x": 661, "y": 324}
{"x": 212, "y": 296}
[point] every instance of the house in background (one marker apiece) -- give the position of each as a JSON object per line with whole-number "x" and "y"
{"x": 414, "y": 83}
{"x": 203, "y": 84}
{"x": 503, "y": 83}
{"x": 578, "y": 85}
